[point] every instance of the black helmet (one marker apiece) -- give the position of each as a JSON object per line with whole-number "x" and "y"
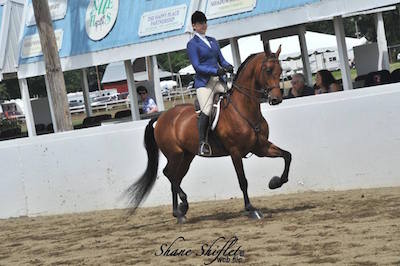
{"x": 198, "y": 16}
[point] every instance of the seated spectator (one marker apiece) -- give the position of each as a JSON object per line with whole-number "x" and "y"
{"x": 325, "y": 82}
{"x": 377, "y": 78}
{"x": 299, "y": 88}
{"x": 395, "y": 76}
{"x": 149, "y": 105}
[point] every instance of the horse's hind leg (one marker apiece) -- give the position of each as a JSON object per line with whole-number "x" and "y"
{"x": 175, "y": 170}
{"x": 273, "y": 151}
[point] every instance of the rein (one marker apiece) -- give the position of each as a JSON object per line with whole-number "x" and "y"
{"x": 264, "y": 95}
{"x": 256, "y": 127}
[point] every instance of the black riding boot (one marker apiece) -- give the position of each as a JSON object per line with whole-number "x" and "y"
{"x": 202, "y": 124}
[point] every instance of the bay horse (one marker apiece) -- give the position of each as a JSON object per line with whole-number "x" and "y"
{"x": 241, "y": 130}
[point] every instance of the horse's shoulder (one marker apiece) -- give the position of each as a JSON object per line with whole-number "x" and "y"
{"x": 181, "y": 109}
{"x": 184, "y": 106}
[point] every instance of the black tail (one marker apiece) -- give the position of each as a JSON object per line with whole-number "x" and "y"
{"x": 138, "y": 191}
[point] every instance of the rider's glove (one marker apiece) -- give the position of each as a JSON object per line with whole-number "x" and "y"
{"x": 221, "y": 72}
{"x": 229, "y": 69}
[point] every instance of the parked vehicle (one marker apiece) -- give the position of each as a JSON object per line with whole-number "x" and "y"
{"x": 167, "y": 86}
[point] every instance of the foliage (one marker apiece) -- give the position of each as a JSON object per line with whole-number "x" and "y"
{"x": 9, "y": 123}
{"x": 3, "y": 92}
{"x": 9, "y": 89}
{"x": 12, "y": 89}
{"x": 73, "y": 80}
{"x": 179, "y": 60}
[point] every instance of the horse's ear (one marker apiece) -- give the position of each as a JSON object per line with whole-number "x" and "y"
{"x": 267, "y": 49}
{"x": 279, "y": 51}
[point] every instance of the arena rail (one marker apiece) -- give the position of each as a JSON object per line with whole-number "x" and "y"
{"x": 339, "y": 141}
{"x": 102, "y": 106}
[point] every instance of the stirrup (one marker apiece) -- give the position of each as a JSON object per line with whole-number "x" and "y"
{"x": 205, "y": 149}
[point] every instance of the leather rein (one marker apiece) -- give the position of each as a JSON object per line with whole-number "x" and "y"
{"x": 264, "y": 95}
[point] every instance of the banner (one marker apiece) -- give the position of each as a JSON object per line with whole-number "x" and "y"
{"x": 31, "y": 45}
{"x": 221, "y": 8}
{"x": 162, "y": 20}
{"x": 58, "y": 9}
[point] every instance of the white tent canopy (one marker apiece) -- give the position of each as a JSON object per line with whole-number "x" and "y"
{"x": 116, "y": 72}
{"x": 290, "y": 46}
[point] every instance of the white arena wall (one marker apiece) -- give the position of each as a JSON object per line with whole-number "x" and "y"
{"x": 339, "y": 141}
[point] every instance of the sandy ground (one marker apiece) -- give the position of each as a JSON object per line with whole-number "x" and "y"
{"x": 359, "y": 227}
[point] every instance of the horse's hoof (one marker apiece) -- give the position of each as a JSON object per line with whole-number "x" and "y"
{"x": 275, "y": 182}
{"x": 256, "y": 215}
{"x": 183, "y": 208}
{"x": 182, "y": 220}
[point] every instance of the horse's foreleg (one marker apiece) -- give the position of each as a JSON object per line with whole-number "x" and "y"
{"x": 273, "y": 151}
{"x": 253, "y": 212}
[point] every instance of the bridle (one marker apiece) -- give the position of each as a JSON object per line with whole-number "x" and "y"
{"x": 264, "y": 92}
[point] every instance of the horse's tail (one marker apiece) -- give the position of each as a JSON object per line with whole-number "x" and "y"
{"x": 139, "y": 190}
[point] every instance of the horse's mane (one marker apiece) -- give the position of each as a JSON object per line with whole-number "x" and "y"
{"x": 243, "y": 65}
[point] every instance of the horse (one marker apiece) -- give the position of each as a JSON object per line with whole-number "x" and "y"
{"x": 241, "y": 130}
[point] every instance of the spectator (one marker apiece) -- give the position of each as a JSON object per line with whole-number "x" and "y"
{"x": 325, "y": 82}
{"x": 299, "y": 88}
{"x": 378, "y": 78}
{"x": 149, "y": 105}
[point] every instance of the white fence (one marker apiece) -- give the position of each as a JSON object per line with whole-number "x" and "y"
{"x": 101, "y": 106}
{"x": 339, "y": 141}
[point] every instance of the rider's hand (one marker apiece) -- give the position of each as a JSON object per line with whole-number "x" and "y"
{"x": 229, "y": 69}
{"x": 221, "y": 72}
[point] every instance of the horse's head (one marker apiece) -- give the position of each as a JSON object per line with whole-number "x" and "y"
{"x": 269, "y": 74}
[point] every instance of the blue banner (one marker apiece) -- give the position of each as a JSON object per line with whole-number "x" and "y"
{"x": 96, "y": 25}
{"x": 261, "y": 7}
{"x": 125, "y": 29}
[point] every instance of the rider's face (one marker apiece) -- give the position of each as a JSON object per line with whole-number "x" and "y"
{"x": 200, "y": 27}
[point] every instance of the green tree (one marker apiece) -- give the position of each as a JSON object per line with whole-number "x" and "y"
{"x": 179, "y": 60}
{"x": 12, "y": 88}
{"x": 3, "y": 92}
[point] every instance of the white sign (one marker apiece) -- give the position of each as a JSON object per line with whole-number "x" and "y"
{"x": 31, "y": 45}
{"x": 100, "y": 18}
{"x": 162, "y": 20}
{"x": 58, "y": 10}
{"x": 221, "y": 8}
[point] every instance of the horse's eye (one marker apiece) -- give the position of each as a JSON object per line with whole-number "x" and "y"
{"x": 268, "y": 70}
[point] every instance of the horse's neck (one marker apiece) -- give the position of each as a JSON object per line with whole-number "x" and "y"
{"x": 249, "y": 104}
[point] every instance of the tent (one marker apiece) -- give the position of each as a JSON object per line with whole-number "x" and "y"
{"x": 319, "y": 42}
{"x": 116, "y": 72}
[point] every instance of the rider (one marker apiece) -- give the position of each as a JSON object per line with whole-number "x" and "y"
{"x": 205, "y": 56}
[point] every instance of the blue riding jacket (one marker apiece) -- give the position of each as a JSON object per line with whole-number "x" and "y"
{"x": 205, "y": 60}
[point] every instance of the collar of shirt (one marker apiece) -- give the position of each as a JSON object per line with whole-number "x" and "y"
{"x": 203, "y": 38}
